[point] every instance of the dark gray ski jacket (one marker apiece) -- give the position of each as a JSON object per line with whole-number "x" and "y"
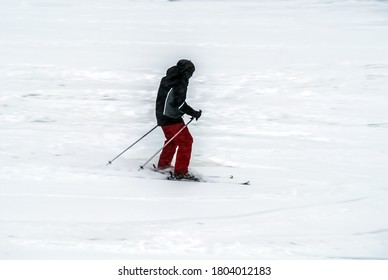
{"x": 171, "y": 100}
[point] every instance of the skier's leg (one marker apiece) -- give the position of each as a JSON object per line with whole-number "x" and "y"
{"x": 168, "y": 152}
{"x": 184, "y": 141}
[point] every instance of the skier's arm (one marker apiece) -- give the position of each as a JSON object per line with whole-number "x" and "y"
{"x": 180, "y": 100}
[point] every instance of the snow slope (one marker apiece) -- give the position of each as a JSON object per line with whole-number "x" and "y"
{"x": 294, "y": 100}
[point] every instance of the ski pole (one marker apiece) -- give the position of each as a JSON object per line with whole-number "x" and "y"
{"x": 168, "y": 142}
{"x": 110, "y": 162}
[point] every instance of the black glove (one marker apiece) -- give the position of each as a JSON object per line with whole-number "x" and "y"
{"x": 197, "y": 115}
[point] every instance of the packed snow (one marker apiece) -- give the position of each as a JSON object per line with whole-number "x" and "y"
{"x": 294, "y": 99}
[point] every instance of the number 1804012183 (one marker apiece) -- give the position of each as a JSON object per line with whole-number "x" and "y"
{"x": 256, "y": 271}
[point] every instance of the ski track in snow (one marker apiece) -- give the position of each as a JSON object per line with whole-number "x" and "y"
{"x": 294, "y": 100}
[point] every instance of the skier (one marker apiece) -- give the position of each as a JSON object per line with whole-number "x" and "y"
{"x": 170, "y": 107}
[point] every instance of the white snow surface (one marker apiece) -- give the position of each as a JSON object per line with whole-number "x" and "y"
{"x": 294, "y": 99}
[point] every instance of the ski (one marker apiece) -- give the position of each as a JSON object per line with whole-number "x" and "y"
{"x": 245, "y": 183}
{"x": 165, "y": 171}
{"x": 227, "y": 179}
{"x": 200, "y": 179}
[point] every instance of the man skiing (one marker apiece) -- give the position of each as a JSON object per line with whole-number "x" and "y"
{"x": 170, "y": 107}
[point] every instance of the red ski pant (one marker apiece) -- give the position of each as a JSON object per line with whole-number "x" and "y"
{"x": 183, "y": 142}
